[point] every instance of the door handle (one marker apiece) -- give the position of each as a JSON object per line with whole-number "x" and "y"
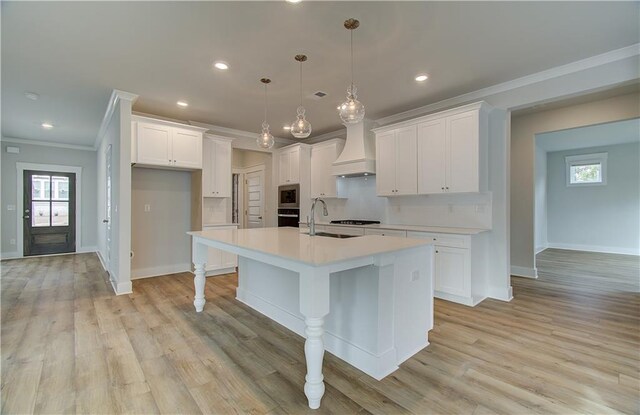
{"x": 105, "y": 220}
{"x": 26, "y": 217}
{"x": 259, "y": 217}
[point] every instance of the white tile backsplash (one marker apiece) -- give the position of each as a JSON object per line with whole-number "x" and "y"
{"x": 457, "y": 210}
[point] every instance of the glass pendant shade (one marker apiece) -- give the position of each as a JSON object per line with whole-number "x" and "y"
{"x": 351, "y": 111}
{"x": 301, "y": 128}
{"x": 265, "y": 139}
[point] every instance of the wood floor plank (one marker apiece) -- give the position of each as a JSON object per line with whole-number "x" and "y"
{"x": 569, "y": 342}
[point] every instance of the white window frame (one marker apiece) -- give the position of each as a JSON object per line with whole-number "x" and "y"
{"x": 582, "y": 159}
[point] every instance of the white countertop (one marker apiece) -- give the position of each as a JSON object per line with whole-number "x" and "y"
{"x": 289, "y": 243}
{"x": 413, "y": 228}
{"x": 213, "y": 225}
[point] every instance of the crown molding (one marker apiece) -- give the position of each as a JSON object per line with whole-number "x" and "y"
{"x": 233, "y": 133}
{"x": 15, "y": 140}
{"x": 341, "y": 133}
{"x": 116, "y": 95}
{"x": 558, "y": 71}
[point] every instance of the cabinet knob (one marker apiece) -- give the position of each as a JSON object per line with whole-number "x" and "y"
{"x": 434, "y": 239}
{"x": 447, "y": 187}
{"x": 442, "y": 188}
{"x": 436, "y": 252}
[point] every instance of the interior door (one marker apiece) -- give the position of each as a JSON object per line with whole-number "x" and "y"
{"x": 107, "y": 210}
{"x": 49, "y": 212}
{"x": 254, "y": 199}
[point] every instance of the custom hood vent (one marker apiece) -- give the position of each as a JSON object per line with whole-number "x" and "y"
{"x": 358, "y": 158}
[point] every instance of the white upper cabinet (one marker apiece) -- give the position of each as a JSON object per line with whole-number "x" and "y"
{"x": 396, "y": 168}
{"x": 289, "y": 165}
{"x": 159, "y": 143}
{"x": 450, "y": 153}
{"x": 323, "y": 182}
{"x": 216, "y": 169}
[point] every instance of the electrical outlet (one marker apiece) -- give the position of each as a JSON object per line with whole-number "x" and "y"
{"x": 12, "y": 241}
{"x": 147, "y": 208}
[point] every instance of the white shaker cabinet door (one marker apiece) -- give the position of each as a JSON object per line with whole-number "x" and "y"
{"x": 453, "y": 271}
{"x": 154, "y": 144}
{"x": 406, "y": 161}
{"x": 294, "y": 165}
{"x": 187, "y": 148}
{"x": 432, "y": 157}
{"x": 386, "y": 163}
{"x": 463, "y": 158}
{"x": 222, "y": 169}
{"x": 283, "y": 168}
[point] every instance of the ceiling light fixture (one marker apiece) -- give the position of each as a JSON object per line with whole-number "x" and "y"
{"x": 351, "y": 111}
{"x": 46, "y": 125}
{"x": 223, "y": 66}
{"x": 265, "y": 139}
{"x": 422, "y": 78}
{"x": 301, "y": 128}
{"x": 182, "y": 104}
{"x": 32, "y": 96}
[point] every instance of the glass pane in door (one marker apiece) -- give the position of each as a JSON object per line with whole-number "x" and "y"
{"x": 60, "y": 214}
{"x": 60, "y": 188}
{"x": 40, "y": 214}
{"x": 40, "y": 186}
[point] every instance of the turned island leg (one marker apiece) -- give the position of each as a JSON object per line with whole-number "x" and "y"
{"x": 199, "y": 262}
{"x": 314, "y": 305}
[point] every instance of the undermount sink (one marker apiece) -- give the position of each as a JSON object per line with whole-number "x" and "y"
{"x": 335, "y": 235}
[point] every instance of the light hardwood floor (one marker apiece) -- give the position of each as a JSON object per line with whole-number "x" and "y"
{"x": 70, "y": 345}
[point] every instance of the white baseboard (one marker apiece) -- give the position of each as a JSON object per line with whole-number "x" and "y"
{"x": 139, "y": 273}
{"x": 121, "y": 288}
{"x": 541, "y": 248}
{"x": 595, "y": 248}
{"x": 102, "y": 261}
{"x": 501, "y": 293}
{"x": 10, "y": 255}
{"x": 524, "y": 272}
{"x": 84, "y": 249}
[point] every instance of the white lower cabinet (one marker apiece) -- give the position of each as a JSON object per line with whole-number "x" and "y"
{"x": 460, "y": 268}
{"x": 220, "y": 262}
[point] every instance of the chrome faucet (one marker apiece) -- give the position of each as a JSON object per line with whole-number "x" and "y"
{"x": 312, "y": 222}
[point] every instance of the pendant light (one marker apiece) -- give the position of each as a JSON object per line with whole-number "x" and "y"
{"x": 265, "y": 139}
{"x": 351, "y": 111}
{"x": 301, "y": 128}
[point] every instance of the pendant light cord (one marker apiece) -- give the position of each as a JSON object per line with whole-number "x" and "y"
{"x": 351, "y": 31}
{"x": 300, "y": 83}
{"x": 265, "y": 103}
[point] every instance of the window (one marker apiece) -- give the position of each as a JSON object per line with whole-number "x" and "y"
{"x": 586, "y": 169}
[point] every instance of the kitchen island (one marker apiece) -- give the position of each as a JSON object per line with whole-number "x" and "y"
{"x": 368, "y": 300}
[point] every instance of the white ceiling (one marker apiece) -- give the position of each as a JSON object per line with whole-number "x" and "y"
{"x": 607, "y": 134}
{"x": 74, "y": 53}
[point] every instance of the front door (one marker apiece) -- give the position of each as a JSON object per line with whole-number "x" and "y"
{"x": 49, "y": 212}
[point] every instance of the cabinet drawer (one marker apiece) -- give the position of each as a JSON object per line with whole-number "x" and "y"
{"x": 386, "y": 232}
{"x": 343, "y": 230}
{"x": 443, "y": 239}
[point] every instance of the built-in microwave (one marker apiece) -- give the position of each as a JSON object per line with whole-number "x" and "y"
{"x": 289, "y": 196}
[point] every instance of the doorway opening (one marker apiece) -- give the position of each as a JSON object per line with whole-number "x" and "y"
{"x": 49, "y": 219}
{"x": 250, "y": 199}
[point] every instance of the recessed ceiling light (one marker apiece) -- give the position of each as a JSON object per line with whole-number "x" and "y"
{"x": 223, "y": 66}
{"x": 46, "y": 125}
{"x": 32, "y": 96}
{"x": 293, "y": 1}
{"x": 421, "y": 78}
{"x": 286, "y": 127}
{"x": 182, "y": 104}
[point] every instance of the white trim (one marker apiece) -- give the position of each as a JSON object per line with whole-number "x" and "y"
{"x": 102, "y": 261}
{"x": 558, "y": 71}
{"x": 541, "y": 248}
{"x": 116, "y": 95}
{"x": 160, "y": 121}
{"x": 161, "y": 270}
{"x": 595, "y": 248}
{"x": 121, "y": 287}
{"x": 501, "y": 293}
{"x": 216, "y": 129}
{"x": 21, "y": 167}
{"x": 86, "y": 249}
{"x": 524, "y": 272}
{"x": 582, "y": 159}
{"x": 9, "y": 255}
{"x": 16, "y": 140}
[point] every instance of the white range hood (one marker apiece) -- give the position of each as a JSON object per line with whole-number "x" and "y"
{"x": 358, "y": 158}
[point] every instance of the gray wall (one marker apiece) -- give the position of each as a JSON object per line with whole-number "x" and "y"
{"x": 523, "y": 131}
{"x": 600, "y": 218}
{"x": 540, "y": 219}
{"x": 48, "y": 155}
{"x": 159, "y": 237}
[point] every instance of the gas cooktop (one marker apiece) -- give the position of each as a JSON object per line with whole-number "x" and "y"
{"x": 355, "y": 222}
